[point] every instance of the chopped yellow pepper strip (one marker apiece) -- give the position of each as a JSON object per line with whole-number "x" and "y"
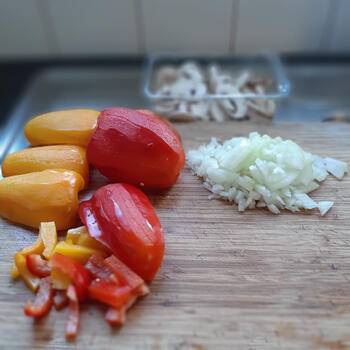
{"x": 14, "y": 272}
{"x": 81, "y": 236}
{"x": 30, "y": 280}
{"x": 36, "y": 248}
{"x": 76, "y": 252}
{"x": 59, "y": 280}
{"x": 49, "y": 235}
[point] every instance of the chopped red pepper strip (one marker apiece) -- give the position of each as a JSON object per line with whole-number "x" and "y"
{"x": 43, "y": 300}
{"x": 60, "y": 300}
{"x": 99, "y": 269}
{"x": 116, "y": 317}
{"x": 78, "y": 274}
{"x": 37, "y": 265}
{"x": 125, "y": 275}
{"x": 72, "y": 325}
{"x": 109, "y": 293}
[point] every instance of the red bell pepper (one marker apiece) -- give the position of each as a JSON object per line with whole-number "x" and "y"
{"x": 134, "y": 147}
{"x": 43, "y": 300}
{"x": 122, "y": 218}
{"x": 116, "y": 317}
{"x": 109, "y": 293}
{"x": 77, "y": 273}
{"x": 60, "y": 300}
{"x": 125, "y": 275}
{"x": 73, "y": 318}
{"x": 99, "y": 269}
{"x": 166, "y": 121}
{"x": 37, "y": 265}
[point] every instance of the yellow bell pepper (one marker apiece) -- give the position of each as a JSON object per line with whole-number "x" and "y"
{"x": 70, "y": 127}
{"x": 14, "y": 272}
{"x": 49, "y": 195}
{"x": 76, "y": 252}
{"x": 47, "y": 157}
{"x": 30, "y": 280}
{"x": 49, "y": 235}
{"x": 81, "y": 236}
{"x": 36, "y": 248}
{"x": 59, "y": 280}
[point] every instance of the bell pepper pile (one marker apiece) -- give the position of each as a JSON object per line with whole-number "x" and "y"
{"x": 60, "y": 278}
{"x": 120, "y": 246}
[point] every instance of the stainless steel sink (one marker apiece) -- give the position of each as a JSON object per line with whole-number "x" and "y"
{"x": 318, "y": 92}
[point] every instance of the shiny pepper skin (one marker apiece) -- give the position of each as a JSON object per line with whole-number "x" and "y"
{"x": 137, "y": 148}
{"x": 47, "y": 157}
{"x": 49, "y": 195}
{"x": 69, "y": 127}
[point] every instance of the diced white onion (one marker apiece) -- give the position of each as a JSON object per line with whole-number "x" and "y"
{"x": 260, "y": 171}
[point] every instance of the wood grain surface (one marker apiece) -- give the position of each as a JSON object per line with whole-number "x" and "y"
{"x": 229, "y": 280}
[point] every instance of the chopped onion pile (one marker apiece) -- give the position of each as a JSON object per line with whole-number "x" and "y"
{"x": 261, "y": 171}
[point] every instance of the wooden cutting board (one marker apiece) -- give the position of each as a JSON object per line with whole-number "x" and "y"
{"x": 229, "y": 280}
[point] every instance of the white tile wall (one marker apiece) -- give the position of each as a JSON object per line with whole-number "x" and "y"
{"x": 22, "y": 31}
{"x": 83, "y": 27}
{"x": 341, "y": 36}
{"x": 280, "y": 25}
{"x": 94, "y": 26}
{"x": 198, "y": 26}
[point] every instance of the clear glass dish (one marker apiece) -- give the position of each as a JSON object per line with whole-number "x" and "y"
{"x": 266, "y": 66}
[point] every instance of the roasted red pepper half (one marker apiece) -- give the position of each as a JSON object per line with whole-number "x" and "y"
{"x": 37, "y": 265}
{"x": 43, "y": 300}
{"x": 78, "y": 274}
{"x": 109, "y": 293}
{"x": 122, "y": 218}
{"x": 73, "y": 318}
{"x": 137, "y": 148}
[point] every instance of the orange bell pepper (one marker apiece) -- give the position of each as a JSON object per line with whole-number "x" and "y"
{"x": 30, "y": 280}
{"x": 69, "y": 127}
{"x": 47, "y": 157}
{"x": 49, "y": 195}
{"x": 49, "y": 235}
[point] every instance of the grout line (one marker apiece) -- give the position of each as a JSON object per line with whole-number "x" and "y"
{"x": 327, "y": 35}
{"x": 50, "y": 34}
{"x": 233, "y": 26}
{"x": 140, "y": 27}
